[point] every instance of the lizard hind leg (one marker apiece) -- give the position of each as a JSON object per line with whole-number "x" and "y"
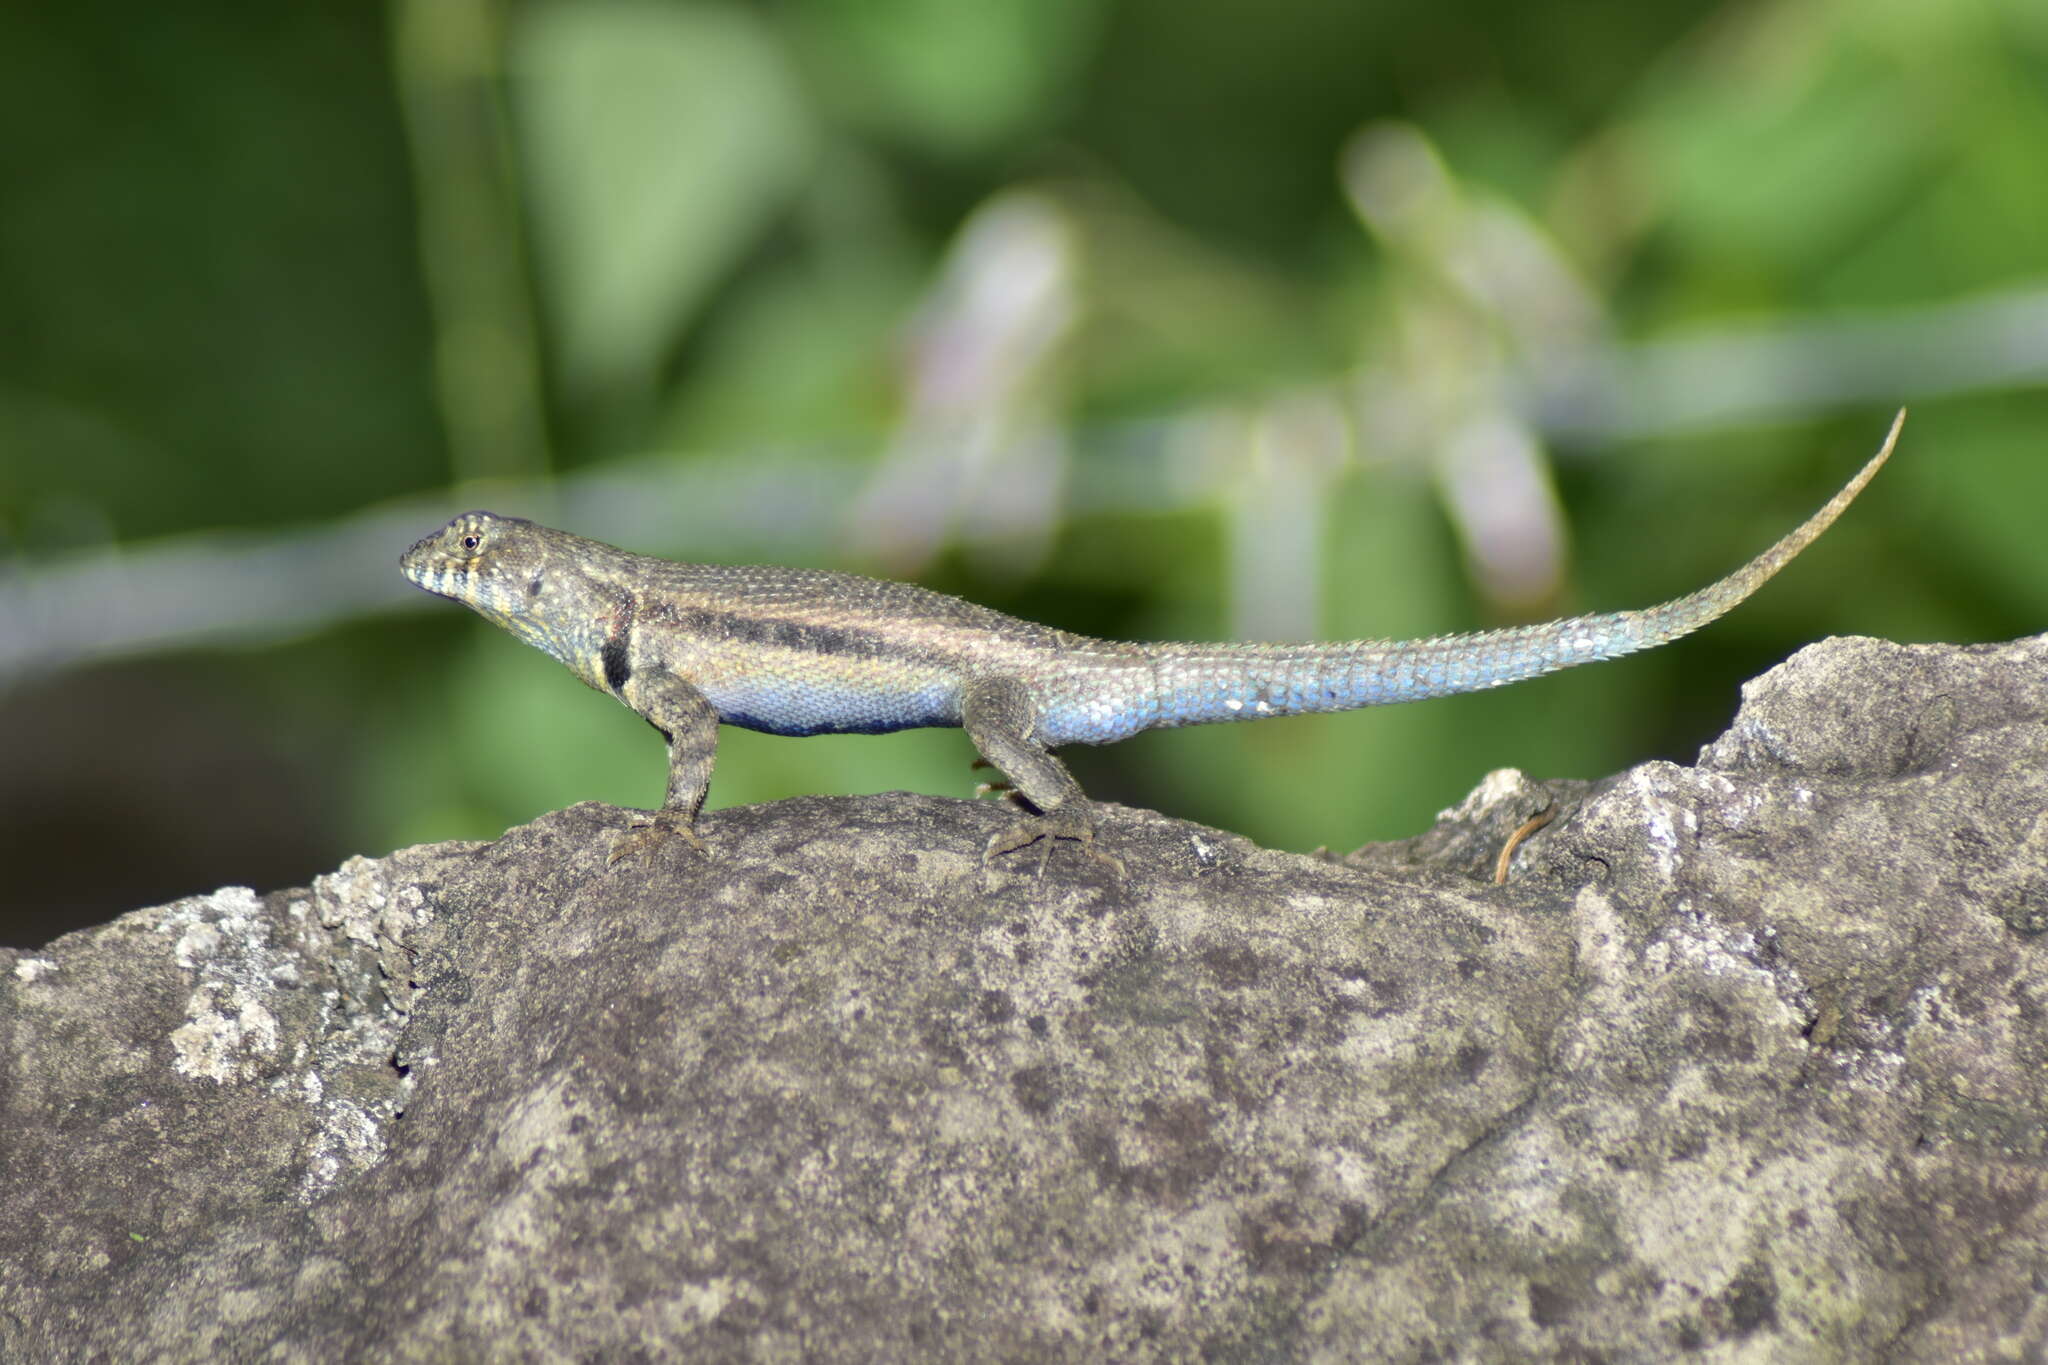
{"x": 1000, "y": 716}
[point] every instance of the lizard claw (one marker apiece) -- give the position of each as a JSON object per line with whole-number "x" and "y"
{"x": 649, "y": 830}
{"x": 1059, "y": 824}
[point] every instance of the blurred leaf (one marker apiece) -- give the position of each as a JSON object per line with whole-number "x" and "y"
{"x": 659, "y": 142}
{"x": 1784, "y": 166}
{"x": 955, "y": 77}
{"x": 795, "y": 356}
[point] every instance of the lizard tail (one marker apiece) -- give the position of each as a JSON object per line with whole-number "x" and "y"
{"x": 1200, "y": 684}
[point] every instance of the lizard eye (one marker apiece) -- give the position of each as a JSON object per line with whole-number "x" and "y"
{"x": 471, "y": 541}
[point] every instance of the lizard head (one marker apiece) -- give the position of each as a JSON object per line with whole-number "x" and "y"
{"x": 489, "y": 563}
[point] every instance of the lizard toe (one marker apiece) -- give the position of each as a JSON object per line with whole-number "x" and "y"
{"x": 649, "y": 831}
{"x": 1064, "y": 823}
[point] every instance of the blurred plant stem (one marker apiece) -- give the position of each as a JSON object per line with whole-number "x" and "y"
{"x": 487, "y": 364}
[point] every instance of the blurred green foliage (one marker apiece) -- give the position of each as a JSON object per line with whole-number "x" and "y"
{"x": 1146, "y": 319}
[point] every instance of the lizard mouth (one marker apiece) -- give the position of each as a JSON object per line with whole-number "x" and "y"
{"x": 425, "y": 567}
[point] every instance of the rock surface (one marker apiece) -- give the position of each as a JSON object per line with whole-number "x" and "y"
{"x": 1748, "y": 1059}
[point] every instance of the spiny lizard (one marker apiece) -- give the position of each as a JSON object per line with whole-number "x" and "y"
{"x": 807, "y": 652}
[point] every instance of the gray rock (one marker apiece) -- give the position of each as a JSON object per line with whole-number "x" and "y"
{"x": 1748, "y": 1058}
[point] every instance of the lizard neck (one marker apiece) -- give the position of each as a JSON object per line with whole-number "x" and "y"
{"x": 569, "y": 616}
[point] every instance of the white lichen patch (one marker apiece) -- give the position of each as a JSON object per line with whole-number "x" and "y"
{"x": 702, "y": 1303}
{"x": 1497, "y": 786}
{"x": 199, "y": 943}
{"x": 33, "y": 968}
{"x": 230, "y": 1032}
{"x": 1672, "y": 823}
{"x": 229, "y": 1036}
{"x": 209, "y": 927}
{"x": 1606, "y": 947}
{"x": 350, "y": 1139}
{"x": 359, "y": 899}
{"x": 363, "y": 903}
{"x": 259, "y": 1006}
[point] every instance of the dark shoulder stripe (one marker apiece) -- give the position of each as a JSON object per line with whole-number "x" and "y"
{"x": 617, "y": 668}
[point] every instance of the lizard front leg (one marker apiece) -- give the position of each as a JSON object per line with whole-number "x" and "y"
{"x": 1001, "y": 718}
{"x": 689, "y": 722}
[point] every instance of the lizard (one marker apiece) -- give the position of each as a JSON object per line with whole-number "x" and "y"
{"x": 690, "y": 647}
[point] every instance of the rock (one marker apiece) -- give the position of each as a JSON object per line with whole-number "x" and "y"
{"x": 1750, "y": 1057}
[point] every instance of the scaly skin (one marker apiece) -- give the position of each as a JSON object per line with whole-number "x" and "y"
{"x": 808, "y": 652}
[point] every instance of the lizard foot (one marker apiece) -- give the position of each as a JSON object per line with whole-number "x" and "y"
{"x": 649, "y": 830}
{"x": 1066, "y": 823}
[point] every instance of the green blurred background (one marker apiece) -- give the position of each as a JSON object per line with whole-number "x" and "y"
{"x": 1192, "y": 319}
